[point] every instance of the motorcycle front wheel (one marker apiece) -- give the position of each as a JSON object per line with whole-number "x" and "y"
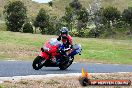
{"x": 38, "y": 63}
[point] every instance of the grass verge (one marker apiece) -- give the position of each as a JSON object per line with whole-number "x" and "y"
{"x": 1, "y": 86}
{"x": 65, "y": 81}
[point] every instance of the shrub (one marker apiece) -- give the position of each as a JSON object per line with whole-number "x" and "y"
{"x": 127, "y": 17}
{"x": 73, "y": 33}
{"x": 28, "y": 28}
{"x": 83, "y": 33}
{"x": 96, "y": 32}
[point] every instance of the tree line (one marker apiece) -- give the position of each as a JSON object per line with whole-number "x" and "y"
{"x": 82, "y": 22}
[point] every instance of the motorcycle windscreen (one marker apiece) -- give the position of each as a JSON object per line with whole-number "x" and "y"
{"x": 52, "y": 44}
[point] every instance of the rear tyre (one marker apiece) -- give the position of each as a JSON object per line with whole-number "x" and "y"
{"x": 38, "y": 63}
{"x": 64, "y": 66}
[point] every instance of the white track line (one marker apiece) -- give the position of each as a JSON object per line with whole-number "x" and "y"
{"x": 12, "y": 60}
{"x": 38, "y": 77}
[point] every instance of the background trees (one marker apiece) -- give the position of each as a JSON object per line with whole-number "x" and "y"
{"x": 82, "y": 18}
{"x": 111, "y": 14}
{"x": 75, "y": 4}
{"x": 127, "y": 17}
{"x": 110, "y": 17}
{"x": 94, "y": 21}
{"x": 68, "y": 17}
{"x": 15, "y": 15}
{"x": 42, "y": 21}
{"x": 50, "y": 3}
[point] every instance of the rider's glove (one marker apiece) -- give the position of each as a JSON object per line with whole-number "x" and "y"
{"x": 59, "y": 38}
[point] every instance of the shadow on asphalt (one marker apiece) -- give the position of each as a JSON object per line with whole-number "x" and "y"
{"x": 57, "y": 70}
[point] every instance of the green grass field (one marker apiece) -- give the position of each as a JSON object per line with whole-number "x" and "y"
{"x": 21, "y": 46}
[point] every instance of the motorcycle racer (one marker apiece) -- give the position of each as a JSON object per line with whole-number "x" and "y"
{"x": 66, "y": 39}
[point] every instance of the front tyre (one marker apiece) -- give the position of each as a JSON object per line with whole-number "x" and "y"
{"x": 38, "y": 63}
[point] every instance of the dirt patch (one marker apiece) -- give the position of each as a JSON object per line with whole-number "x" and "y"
{"x": 64, "y": 82}
{"x": 20, "y": 52}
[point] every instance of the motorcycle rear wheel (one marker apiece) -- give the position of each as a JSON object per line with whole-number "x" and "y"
{"x": 64, "y": 66}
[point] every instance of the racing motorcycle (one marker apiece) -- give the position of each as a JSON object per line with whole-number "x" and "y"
{"x": 53, "y": 54}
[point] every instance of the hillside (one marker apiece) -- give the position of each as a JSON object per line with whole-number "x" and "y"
{"x": 120, "y": 4}
{"x": 59, "y": 6}
{"x": 32, "y": 7}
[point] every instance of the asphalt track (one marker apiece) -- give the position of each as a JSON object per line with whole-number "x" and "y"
{"x": 24, "y": 68}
